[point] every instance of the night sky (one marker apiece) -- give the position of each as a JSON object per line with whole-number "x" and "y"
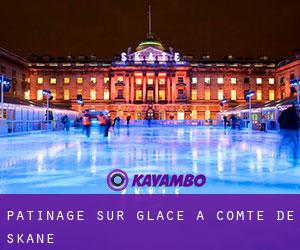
{"x": 244, "y": 28}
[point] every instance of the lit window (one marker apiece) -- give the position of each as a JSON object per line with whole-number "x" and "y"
{"x": 194, "y": 115}
{"x": 259, "y": 95}
{"x": 66, "y": 80}
{"x": 106, "y": 79}
{"x": 40, "y": 94}
{"x": 93, "y": 80}
{"x": 271, "y": 80}
{"x": 207, "y": 80}
{"x": 27, "y": 95}
{"x": 138, "y": 81}
{"x": 40, "y": 80}
{"x": 233, "y": 80}
{"x": 66, "y": 94}
{"x": 52, "y": 80}
{"x": 120, "y": 79}
{"x": 220, "y": 80}
{"x": 120, "y": 94}
{"x": 233, "y": 94}
{"x": 207, "y": 95}
{"x": 150, "y": 95}
{"x": 161, "y": 95}
{"x": 220, "y": 94}
{"x": 258, "y": 80}
{"x": 162, "y": 81}
{"x": 207, "y": 114}
{"x": 106, "y": 94}
{"x": 138, "y": 95}
{"x": 180, "y": 115}
{"x": 79, "y": 80}
{"x": 53, "y": 93}
{"x": 150, "y": 81}
{"x": 194, "y": 94}
{"x": 79, "y": 91}
{"x": 194, "y": 80}
{"x": 93, "y": 94}
{"x": 271, "y": 95}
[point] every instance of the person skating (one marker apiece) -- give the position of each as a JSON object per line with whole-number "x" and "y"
{"x": 225, "y": 121}
{"x": 289, "y": 129}
{"x": 102, "y": 122}
{"x": 128, "y": 120}
{"x": 233, "y": 121}
{"x": 86, "y": 122}
{"x": 263, "y": 123}
{"x": 107, "y": 125}
{"x": 116, "y": 124}
{"x": 66, "y": 123}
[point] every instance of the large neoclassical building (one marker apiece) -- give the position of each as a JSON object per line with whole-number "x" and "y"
{"x": 150, "y": 81}
{"x": 153, "y": 81}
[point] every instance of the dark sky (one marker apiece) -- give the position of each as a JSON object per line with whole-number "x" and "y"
{"x": 243, "y": 28}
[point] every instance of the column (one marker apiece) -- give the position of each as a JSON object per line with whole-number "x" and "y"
{"x": 127, "y": 93}
{"x": 173, "y": 84}
{"x": 188, "y": 88}
{"x": 156, "y": 87}
{"x": 169, "y": 82}
{"x": 131, "y": 80}
{"x": 112, "y": 88}
{"x": 144, "y": 87}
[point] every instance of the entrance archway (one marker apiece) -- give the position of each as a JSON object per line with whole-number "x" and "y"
{"x": 180, "y": 115}
{"x": 207, "y": 114}
{"x": 138, "y": 115}
{"x": 162, "y": 115}
{"x": 194, "y": 115}
{"x": 150, "y": 114}
{"x": 120, "y": 113}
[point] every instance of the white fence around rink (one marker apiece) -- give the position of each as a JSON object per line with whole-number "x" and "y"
{"x": 169, "y": 122}
{"x": 26, "y": 118}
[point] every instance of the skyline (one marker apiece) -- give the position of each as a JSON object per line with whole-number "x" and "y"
{"x": 191, "y": 27}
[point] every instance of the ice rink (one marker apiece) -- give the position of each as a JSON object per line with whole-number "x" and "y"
{"x": 232, "y": 161}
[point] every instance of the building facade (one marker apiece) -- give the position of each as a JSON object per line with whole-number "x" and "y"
{"x": 16, "y": 69}
{"x": 155, "y": 82}
{"x": 286, "y": 71}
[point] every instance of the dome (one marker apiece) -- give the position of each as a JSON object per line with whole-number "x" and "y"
{"x": 150, "y": 42}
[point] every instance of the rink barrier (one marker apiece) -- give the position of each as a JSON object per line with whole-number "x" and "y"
{"x": 271, "y": 125}
{"x": 29, "y": 126}
{"x": 170, "y": 123}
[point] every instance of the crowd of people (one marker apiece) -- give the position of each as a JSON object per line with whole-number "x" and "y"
{"x": 288, "y": 119}
{"x": 234, "y": 122}
{"x": 289, "y": 122}
{"x": 85, "y": 122}
{"x": 105, "y": 123}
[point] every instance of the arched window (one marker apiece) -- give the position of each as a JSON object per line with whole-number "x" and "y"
{"x": 120, "y": 113}
{"x": 207, "y": 114}
{"x": 180, "y": 115}
{"x": 162, "y": 115}
{"x": 194, "y": 115}
{"x": 138, "y": 115}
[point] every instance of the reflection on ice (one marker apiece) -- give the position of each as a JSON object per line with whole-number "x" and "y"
{"x": 235, "y": 162}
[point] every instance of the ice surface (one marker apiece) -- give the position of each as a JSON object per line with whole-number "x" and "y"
{"x": 233, "y": 162}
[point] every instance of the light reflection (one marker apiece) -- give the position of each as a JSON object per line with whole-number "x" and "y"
{"x": 231, "y": 157}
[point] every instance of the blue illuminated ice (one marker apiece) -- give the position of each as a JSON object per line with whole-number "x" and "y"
{"x": 233, "y": 162}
